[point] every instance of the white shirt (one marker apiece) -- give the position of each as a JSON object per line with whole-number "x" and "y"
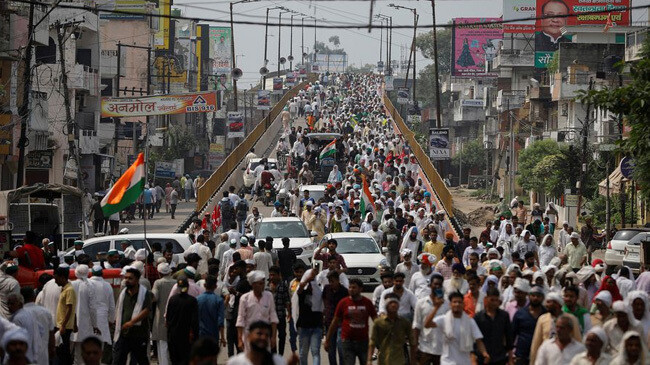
{"x": 49, "y": 297}
{"x": 204, "y": 252}
{"x": 263, "y": 261}
{"x": 550, "y": 354}
{"x": 419, "y": 284}
{"x": 431, "y": 339}
{"x": 546, "y": 254}
{"x": 451, "y": 353}
{"x": 582, "y": 359}
{"x": 407, "y": 303}
{"x": 321, "y": 279}
{"x": 464, "y": 287}
{"x": 408, "y": 273}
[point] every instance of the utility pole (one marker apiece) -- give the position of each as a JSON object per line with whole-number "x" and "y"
{"x": 583, "y": 162}
{"x": 279, "y": 40}
{"x": 511, "y": 164}
{"x": 291, "y": 45}
{"x": 232, "y": 52}
{"x": 436, "y": 71}
{"x": 24, "y": 107}
{"x": 61, "y": 33}
{"x": 381, "y": 39}
{"x": 302, "y": 41}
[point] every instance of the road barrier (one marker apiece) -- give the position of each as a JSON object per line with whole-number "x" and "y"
{"x": 229, "y": 165}
{"x": 438, "y": 185}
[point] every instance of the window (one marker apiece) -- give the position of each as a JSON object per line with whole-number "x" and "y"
{"x": 95, "y": 248}
{"x": 138, "y": 244}
{"x": 176, "y": 247}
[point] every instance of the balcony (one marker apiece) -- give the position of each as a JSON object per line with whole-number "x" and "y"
{"x": 565, "y": 87}
{"x": 83, "y": 78}
{"x": 633, "y": 45}
{"x": 88, "y": 142}
{"x": 469, "y": 110}
{"x": 540, "y": 93}
{"x": 514, "y": 58}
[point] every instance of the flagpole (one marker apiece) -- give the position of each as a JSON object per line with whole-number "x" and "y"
{"x": 146, "y": 178}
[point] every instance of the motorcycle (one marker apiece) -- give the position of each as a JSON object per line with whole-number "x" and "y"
{"x": 269, "y": 194}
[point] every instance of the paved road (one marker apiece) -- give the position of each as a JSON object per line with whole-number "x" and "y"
{"x": 162, "y": 222}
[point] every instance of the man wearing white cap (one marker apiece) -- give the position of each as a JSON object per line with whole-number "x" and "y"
{"x": 545, "y": 327}
{"x": 521, "y": 290}
{"x": 161, "y": 289}
{"x": 407, "y": 266}
{"x": 616, "y": 327}
{"x": 15, "y": 344}
{"x": 256, "y": 305}
{"x": 576, "y": 252}
{"x": 562, "y": 348}
{"x": 595, "y": 343}
{"x": 102, "y": 294}
{"x": 86, "y": 310}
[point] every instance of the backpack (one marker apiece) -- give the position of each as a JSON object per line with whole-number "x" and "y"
{"x": 242, "y": 208}
{"x": 226, "y": 210}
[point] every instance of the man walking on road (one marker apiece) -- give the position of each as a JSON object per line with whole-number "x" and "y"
{"x": 353, "y": 314}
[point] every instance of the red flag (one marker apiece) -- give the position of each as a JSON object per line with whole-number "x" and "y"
{"x": 204, "y": 223}
{"x": 216, "y": 217}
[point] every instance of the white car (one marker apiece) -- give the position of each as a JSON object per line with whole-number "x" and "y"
{"x": 616, "y": 247}
{"x": 361, "y": 253}
{"x": 315, "y": 191}
{"x": 249, "y": 176}
{"x": 179, "y": 241}
{"x": 634, "y": 250}
{"x": 300, "y": 239}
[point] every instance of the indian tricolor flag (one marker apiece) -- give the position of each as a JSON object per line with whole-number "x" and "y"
{"x": 367, "y": 204}
{"x": 329, "y": 150}
{"x": 126, "y": 190}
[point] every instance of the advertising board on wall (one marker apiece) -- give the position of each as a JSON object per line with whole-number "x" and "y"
{"x": 475, "y": 41}
{"x": 159, "y": 105}
{"x": 220, "y": 39}
{"x": 236, "y": 125}
{"x": 439, "y": 144}
{"x": 263, "y": 99}
{"x": 549, "y": 30}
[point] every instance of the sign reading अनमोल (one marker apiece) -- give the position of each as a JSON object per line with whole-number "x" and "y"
{"x": 159, "y": 105}
{"x": 439, "y": 144}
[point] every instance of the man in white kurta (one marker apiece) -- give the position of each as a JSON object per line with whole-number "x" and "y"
{"x": 49, "y": 297}
{"x": 102, "y": 292}
{"x": 44, "y": 335}
{"x": 86, "y": 313}
{"x": 561, "y": 349}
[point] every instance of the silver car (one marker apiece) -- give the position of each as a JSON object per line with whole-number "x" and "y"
{"x": 616, "y": 247}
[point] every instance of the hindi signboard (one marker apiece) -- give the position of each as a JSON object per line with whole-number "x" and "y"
{"x": 519, "y": 9}
{"x": 159, "y": 105}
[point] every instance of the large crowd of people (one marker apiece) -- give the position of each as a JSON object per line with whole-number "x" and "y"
{"x": 525, "y": 291}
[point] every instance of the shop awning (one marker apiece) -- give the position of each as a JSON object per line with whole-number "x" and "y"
{"x": 615, "y": 179}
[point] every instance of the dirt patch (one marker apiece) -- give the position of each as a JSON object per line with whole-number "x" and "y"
{"x": 478, "y": 217}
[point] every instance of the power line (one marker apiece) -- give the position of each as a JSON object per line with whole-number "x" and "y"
{"x": 336, "y": 25}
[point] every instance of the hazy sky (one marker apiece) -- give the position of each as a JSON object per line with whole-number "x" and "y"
{"x": 362, "y": 47}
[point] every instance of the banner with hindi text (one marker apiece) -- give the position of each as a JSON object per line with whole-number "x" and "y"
{"x": 159, "y": 105}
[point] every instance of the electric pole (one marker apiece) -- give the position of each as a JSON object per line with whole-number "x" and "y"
{"x": 24, "y": 107}
{"x": 583, "y": 160}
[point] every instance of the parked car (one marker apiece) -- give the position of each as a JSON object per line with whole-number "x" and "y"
{"x": 94, "y": 246}
{"x": 300, "y": 239}
{"x": 616, "y": 247}
{"x": 249, "y": 177}
{"x": 634, "y": 251}
{"x": 361, "y": 253}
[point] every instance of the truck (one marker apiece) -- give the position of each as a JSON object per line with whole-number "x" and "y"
{"x": 53, "y": 211}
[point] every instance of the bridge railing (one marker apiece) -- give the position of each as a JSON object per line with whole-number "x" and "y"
{"x": 219, "y": 176}
{"x": 438, "y": 185}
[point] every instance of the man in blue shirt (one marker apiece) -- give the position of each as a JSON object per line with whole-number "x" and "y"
{"x": 149, "y": 199}
{"x": 524, "y": 322}
{"x": 211, "y": 312}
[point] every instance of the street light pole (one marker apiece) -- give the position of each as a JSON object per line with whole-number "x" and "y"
{"x": 279, "y": 39}
{"x": 232, "y": 54}
{"x": 291, "y": 44}
{"x": 435, "y": 68}
{"x": 413, "y": 51}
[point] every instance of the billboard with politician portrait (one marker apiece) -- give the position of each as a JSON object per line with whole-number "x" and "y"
{"x": 221, "y": 55}
{"x": 554, "y": 15}
{"x": 475, "y": 42}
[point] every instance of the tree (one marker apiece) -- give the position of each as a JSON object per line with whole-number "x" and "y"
{"x": 426, "y": 79}
{"x": 632, "y": 102}
{"x": 322, "y": 48}
{"x": 529, "y": 158}
{"x": 335, "y": 40}
{"x": 472, "y": 156}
